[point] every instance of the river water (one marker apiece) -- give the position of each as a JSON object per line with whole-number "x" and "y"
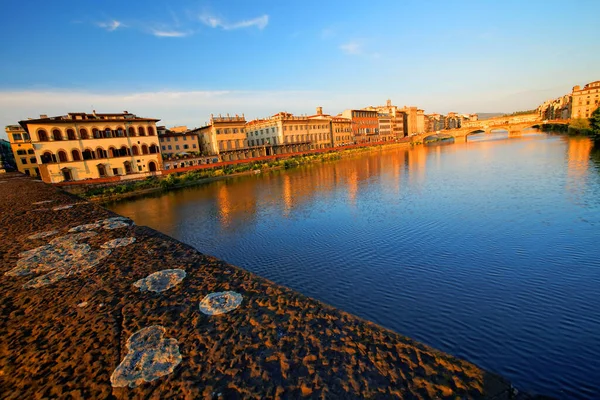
{"x": 487, "y": 250}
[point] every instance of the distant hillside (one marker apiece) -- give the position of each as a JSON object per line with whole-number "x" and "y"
{"x": 483, "y": 116}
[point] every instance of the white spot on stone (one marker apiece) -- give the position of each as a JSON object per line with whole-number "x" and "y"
{"x": 82, "y": 304}
{"x": 42, "y": 235}
{"x": 115, "y": 225}
{"x": 115, "y": 222}
{"x": 161, "y": 280}
{"x": 61, "y": 258}
{"x": 120, "y": 242}
{"x": 220, "y": 302}
{"x": 149, "y": 357}
{"x": 85, "y": 227}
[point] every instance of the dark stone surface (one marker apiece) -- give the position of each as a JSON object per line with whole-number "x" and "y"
{"x": 67, "y": 338}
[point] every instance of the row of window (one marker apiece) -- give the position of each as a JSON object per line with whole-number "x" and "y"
{"x": 95, "y": 134}
{"x": 176, "y": 138}
{"x": 231, "y": 130}
{"x": 88, "y": 154}
{"x": 32, "y": 160}
{"x": 185, "y": 147}
{"x": 22, "y": 152}
{"x": 17, "y": 137}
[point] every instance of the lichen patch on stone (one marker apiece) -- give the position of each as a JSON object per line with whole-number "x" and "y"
{"x": 85, "y": 227}
{"x": 64, "y": 256}
{"x": 161, "y": 280}
{"x": 220, "y": 302}
{"x": 149, "y": 357}
{"x": 115, "y": 223}
{"x": 42, "y": 235}
{"x": 120, "y": 242}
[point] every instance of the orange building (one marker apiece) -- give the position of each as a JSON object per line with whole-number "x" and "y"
{"x": 365, "y": 125}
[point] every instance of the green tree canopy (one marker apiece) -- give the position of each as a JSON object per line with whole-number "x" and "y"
{"x": 580, "y": 123}
{"x": 595, "y": 121}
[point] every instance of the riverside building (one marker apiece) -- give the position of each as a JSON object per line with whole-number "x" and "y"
{"x": 224, "y": 138}
{"x": 585, "y": 101}
{"x": 22, "y": 149}
{"x": 80, "y": 146}
{"x": 365, "y": 125}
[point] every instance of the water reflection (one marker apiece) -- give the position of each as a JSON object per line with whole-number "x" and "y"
{"x": 486, "y": 249}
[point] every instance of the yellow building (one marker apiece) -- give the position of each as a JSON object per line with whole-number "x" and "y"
{"x": 224, "y": 137}
{"x": 341, "y": 131}
{"x": 319, "y": 130}
{"x": 585, "y": 101}
{"x": 22, "y": 149}
{"x": 82, "y": 146}
{"x": 178, "y": 143}
{"x": 285, "y": 133}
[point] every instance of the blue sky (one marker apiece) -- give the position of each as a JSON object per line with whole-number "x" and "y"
{"x": 183, "y": 60}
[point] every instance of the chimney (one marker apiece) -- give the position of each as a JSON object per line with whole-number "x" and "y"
{"x": 389, "y": 103}
{"x": 319, "y": 110}
{"x": 43, "y": 116}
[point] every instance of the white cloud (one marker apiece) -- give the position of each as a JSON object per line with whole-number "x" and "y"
{"x": 111, "y": 25}
{"x": 216, "y": 22}
{"x": 166, "y": 33}
{"x": 352, "y": 48}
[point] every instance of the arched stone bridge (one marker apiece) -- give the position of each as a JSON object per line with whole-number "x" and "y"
{"x": 513, "y": 124}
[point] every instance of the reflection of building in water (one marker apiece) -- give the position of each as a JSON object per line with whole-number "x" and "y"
{"x": 578, "y": 157}
{"x": 236, "y": 202}
{"x": 417, "y": 162}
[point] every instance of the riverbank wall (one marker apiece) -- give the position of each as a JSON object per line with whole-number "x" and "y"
{"x": 94, "y": 306}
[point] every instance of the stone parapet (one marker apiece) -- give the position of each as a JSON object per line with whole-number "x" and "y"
{"x": 93, "y": 306}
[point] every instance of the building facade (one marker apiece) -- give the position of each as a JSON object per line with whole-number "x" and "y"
{"x": 341, "y": 131}
{"x": 585, "y": 101}
{"x": 80, "y": 146}
{"x": 386, "y": 133}
{"x": 415, "y": 120}
{"x": 365, "y": 125}
{"x": 22, "y": 150}
{"x": 225, "y": 138}
{"x": 172, "y": 143}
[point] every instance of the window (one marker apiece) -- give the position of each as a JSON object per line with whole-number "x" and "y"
{"x": 194, "y": 146}
{"x": 176, "y": 147}
{"x": 168, "y": 139}
{"x": 43, "y": 136}
{"x": 170, "y": 147}
{"x": 30, "y": 151}
{"x": 164, "y": 148}
{"x": 23, "y": 161}
{"x": 185, "y": 146}
{"x": 21, "y": 152}
{"x": 26, "y": 136}
{"x": 17, "y": 136}
{"x": 176, "y": 139}
{"x": 32, "y": 160}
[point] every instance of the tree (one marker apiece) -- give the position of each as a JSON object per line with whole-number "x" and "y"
{"x": 580, "y": 123}
{"x": 594, "y": 122}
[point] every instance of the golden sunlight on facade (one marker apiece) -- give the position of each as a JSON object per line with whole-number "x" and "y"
{"x": 585, "y": 101}
{"x": 22, "y": 149}
{"x": 225, "y": 137}
{"x": 81, "y": 146}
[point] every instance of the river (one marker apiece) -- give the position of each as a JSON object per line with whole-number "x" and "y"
{"x": 487, "y": 249}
